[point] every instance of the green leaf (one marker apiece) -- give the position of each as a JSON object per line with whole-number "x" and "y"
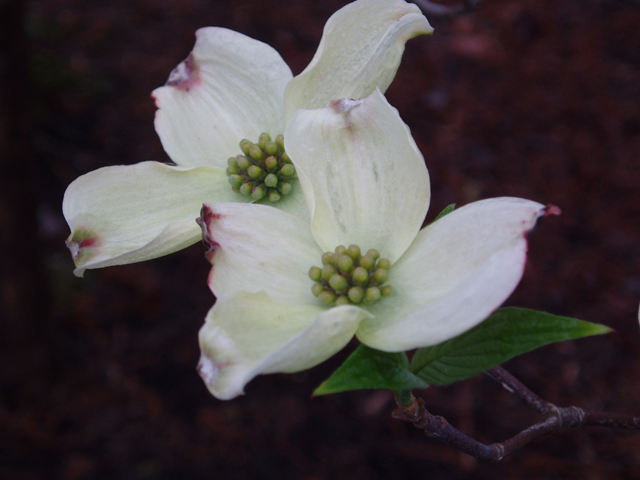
{"x": 369, "y": 368}
{"x": 445, "y": 211}
{"x": 507, "y": 333}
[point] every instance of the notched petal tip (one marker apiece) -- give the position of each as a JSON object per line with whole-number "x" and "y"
{"x": 344, "y": 105}
{"x": 74, "y": 247}
{"x": 551, "y": 210}
{"x": 185, "y": 75}
{"x": 80, "y": 243}
{"x": 541, "y": 213}
{"x": 208, "y": 370}
{"x": 205, "y": 220}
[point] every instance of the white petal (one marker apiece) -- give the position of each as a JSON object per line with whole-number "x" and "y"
{"x": 455, "y": 274}
{"x": 229, "y": 88}
{"x": 259, "y": 248}
{"x": 363, "y": 176}
{"x": 246, "y": 334}
{"x": 293, "y": 203}
{"x": 127, "y": 214}
{"x": 361, "y": 49}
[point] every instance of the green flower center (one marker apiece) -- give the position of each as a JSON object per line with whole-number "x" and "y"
{"x": 348, "y": 277}
{"x": 265, "y": 169}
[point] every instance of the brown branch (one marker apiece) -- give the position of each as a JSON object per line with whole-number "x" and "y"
{"x": 554, "y": 418}
{"x": 440, "y": 10}
{"x": 512, "y": 384}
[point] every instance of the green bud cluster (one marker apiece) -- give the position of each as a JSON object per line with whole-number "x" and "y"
{"x": 348, "y": 277}
{"x": 263, "y": 170}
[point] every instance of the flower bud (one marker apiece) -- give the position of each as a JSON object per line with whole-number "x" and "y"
{"x": 284, "y": 188}
{"x": 256, "y": 153}
{"x": 246, "y": 188}
{"x": 386, "y": 291}
{"x": 348, "y": 277}
{"x": 345, "y": 264}
{"x": 384, "y": 263}
{"x": 271, "y": 163}
{"x": 360, "y": 276}
{"x": 342, "y": 300}
{"x": 288, "y": 170}
{"x": 274, "y": 196}
{"x": 264, "y": 166}
{"x": 243, "y": 162}
{"x": 327, "y": 297}
{"x": 366, "y": 261}
{"x": 372, "y": 294}
{"x": 254, "y": 172}
{"x": 258, "y": 192}
{"x": 356, "y": 294}
{"x": 354, "y": 252}
{"x": 381, "y": 275}
{"x": 373, "y": 253}
{"x": 271, "y": 180}
{"x": 245, "y": 146}
{"x": 236, "y": 180}
{"x": 263, "y": 139}
{"x": 271, "y": 148}
{"x": 315, "y": 274}
{"x": 328, "y": 271}
{"x": 317, "y": 289}
{"x": 338, "y": 283}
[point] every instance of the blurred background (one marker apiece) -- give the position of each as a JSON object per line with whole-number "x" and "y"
{"x": 531, "y": 98}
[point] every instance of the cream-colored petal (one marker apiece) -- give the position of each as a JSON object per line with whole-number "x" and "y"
{"x": 127, "y": 214}
{"x": 293, "y": 203}
{"x": 362, "y": 174}
{"x": 247, "y": 334}
{"x": 259, "y": 248}
{"x": 455, "y": 274}
{"x": 230, "y": 87}
{"x": 361, "y": 49}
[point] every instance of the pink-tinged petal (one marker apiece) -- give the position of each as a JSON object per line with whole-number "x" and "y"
{"x": 259, "y": 248}
{"x": 248, "y": 334}
{"x": 360, "y": 50}
{"x": 362, "y": 174}
{"x": 127, "y": 214}
{"x": 230, "y": 87}
{"x": 455, "y": 274}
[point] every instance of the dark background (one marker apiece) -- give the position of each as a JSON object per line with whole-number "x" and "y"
{"x": 532, "y": 98}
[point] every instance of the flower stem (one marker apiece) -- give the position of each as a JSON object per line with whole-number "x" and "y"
{"x": 404, "y": 397}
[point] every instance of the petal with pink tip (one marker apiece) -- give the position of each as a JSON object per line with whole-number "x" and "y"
{"x": 230, "y": 87}
{"x": 248, "y": 334}
{"x": 127, "y": 214}
{"x": 259, "y": 248}
{"x": 362, "y": 174}
{"x": 455, "y": 274}
{"x": 360, "y": 50}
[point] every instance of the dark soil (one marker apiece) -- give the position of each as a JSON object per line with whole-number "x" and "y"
{"x": 532, "y": 98}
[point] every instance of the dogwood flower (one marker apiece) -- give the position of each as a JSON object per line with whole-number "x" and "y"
{"x": 229, "y": 88}
{"x": 366, "y": 187}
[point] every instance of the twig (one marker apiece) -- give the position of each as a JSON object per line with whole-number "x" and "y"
{"x": 554, "y": 418}
{"x": 512, "y": 384}
{"x": 440, "y": 10}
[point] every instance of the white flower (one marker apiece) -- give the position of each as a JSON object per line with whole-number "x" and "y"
{"x": 230, "y": 87}
{"x": 365, "y": 183}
